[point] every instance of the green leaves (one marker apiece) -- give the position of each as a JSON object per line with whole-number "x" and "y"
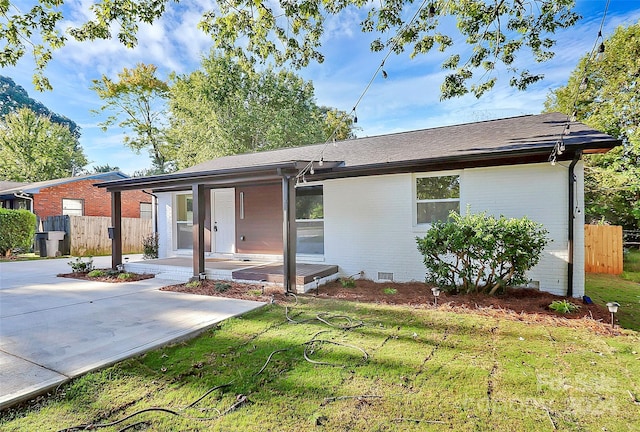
{"x": 32, "y": 148}
{"x": 228, "y": 108}
{"x": 604, "y": 94}
{"x": 137, "y": 102}
{"x": 480, "y": 253}
{"x": 17, "y": 34}
{"x": 17, "y": 228}
{"x": 290, "y": 32}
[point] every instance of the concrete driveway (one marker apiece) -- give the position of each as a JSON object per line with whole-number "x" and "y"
{"x": 53, "y": 329}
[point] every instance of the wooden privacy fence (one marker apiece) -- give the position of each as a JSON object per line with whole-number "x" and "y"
{"x": 603, "y": 249}
{"x": 88, "y": 235}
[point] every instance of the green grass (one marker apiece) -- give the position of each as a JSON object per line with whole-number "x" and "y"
{"x": 624, "y": 289}
{"x": 427, "y": 369}
{"x": 632, "y": 265}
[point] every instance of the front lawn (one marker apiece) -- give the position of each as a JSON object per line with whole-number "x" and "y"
{"x": 403, "y": 369}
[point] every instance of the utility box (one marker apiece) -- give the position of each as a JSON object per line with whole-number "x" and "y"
{"x": 49, "y": 242}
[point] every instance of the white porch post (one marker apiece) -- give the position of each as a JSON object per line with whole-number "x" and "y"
{"x": 198, "y": 230}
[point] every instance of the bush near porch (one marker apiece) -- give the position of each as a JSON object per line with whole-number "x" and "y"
{"x": 481, "y": 253}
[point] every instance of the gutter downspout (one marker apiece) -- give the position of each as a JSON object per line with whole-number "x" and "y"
{"x": 154, "y": 209}
{"x": 22, "y": 195}
{"x": 572, "y": 180}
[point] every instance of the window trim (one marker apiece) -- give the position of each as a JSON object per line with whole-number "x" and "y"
{"x": 176, "y": 221}
{"x": 312, "y": 256}
{"x": 80, "y": 200}
{"x": 150, "y": 212}
{"x": 416, "y": 201}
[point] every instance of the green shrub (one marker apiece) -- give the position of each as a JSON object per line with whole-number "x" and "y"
{"x": 347, "y": 283}
{"x": 221, "y": 286}
{"x": 193, "y": 284}
{"x": 390, "y": 291}
{"x": 563, "y": 306}
{"x": 480, "y": 253}
{"x": 96, "y": 273}
{"x": 150, "y": 246}
{"x": 17, "y": 230}
{"x": 81, "y": 266}
{"x": 125, "y": 276}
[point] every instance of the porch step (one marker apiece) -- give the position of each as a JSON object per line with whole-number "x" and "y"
{"x": 305, "y": 273}
{"x": 174, "y": 276}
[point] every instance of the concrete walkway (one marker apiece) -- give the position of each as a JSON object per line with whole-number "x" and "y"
{"x": 53, "y": 329}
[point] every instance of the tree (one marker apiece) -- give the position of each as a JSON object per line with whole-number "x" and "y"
{"x": 480, "y": 253}
{"x": 337, "y": 124}
{"x": 33, "y": 148}
{"x": 291, "y": 32}
{"x": 225, "y": 108}
{"x": 137, "y": 101}
{"x": 104, "y": 169}
{"x": 14, "y": 97}
{"x": 604, "y": 95}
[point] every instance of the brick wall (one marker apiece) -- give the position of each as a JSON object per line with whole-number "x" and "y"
{"x": 97, "y": 201}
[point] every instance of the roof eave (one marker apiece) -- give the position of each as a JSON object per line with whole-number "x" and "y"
{"x": 499, "y": 158}
{"x": 182, "y": 181}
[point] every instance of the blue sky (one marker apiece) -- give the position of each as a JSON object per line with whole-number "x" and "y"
{"x": 407, "y": 100}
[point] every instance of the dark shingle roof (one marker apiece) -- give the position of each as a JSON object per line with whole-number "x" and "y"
{"x": 512, "y": 135}
{"x": 35, "y": 187}
{"x": 525, "y": 139}
{"x": 5, "y": 184}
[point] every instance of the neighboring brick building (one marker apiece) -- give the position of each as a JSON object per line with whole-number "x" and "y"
{"x": 74, "y": 196}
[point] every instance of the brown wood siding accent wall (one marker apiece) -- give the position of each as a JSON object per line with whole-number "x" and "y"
{"x": 261, "y": 227}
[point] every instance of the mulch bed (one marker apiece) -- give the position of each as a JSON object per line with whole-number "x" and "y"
{"x": 519, "y": 304}
{"x": 113, "y": 278}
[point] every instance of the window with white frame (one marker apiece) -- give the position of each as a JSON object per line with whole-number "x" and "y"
{"x": 310, "y": 220}
{"x": 72, "y": 207}
{"x": 145, "y": 211}
{"x": 184, "y": 221}
{"x": 436, "y": 197}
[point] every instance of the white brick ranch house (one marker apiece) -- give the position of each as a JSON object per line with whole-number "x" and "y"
{"x": 358, "y": 205}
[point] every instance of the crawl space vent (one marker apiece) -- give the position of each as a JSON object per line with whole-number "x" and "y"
{"x": 385, "y": 276}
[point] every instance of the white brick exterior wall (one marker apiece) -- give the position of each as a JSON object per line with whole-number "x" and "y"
{"x": 370, "y": 221}
{"x": 370, "y": 224}
{"x": 165, "y": 225}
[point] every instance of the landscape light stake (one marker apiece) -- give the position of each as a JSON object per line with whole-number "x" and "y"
{"x": 436, "y": 294}
{"x": 613, "y": 308}
{"x": 317, "y": 281}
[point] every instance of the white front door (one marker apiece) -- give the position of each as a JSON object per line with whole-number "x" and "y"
{"x": 223, "y": 224}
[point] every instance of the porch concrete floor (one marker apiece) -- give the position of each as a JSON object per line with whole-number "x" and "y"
{"x": 209, "y": 263}
{"x": 232, "y": 269}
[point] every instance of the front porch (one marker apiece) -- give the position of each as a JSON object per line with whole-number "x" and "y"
{"x": 180, "y": 270}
